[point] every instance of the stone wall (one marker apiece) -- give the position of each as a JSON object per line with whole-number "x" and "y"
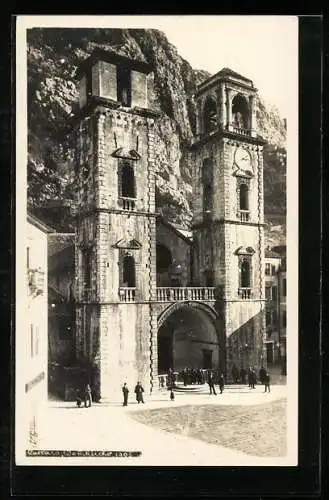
{"x": 180, "y": 250}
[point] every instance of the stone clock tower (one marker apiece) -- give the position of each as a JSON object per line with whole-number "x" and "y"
{"x": 228, "y": 223}
{"x": 115, "y": 238}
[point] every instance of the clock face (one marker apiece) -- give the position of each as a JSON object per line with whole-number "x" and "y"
{"x": 242, "y": 159}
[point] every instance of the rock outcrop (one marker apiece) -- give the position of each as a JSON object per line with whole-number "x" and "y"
{"x": 53, "y": 56}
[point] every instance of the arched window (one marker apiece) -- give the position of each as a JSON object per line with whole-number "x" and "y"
{"x": 128, "y": 181}
{"x": 244, "y": 201}
{"x": 240, "y": 112}
{"x": 129, "y": 273}
{"x": 245, "y": 274}
{"x": 163, "y": 258}
{"x": 210, "y": 115}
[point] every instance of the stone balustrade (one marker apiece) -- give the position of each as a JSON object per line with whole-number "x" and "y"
{"x": 245, "y": 293}
{"x": 128, "y": 203}
{"x": 127, "y": 294}
{"x": 241, "y": 131}
{"x": 176, "y": 294}
{"x": 244, "y": 215}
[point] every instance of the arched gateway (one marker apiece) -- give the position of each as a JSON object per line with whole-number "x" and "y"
{"x": 189, "y": 336}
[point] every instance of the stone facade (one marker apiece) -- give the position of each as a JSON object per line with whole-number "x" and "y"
{"x": 120, "y": 306}
{"x": 114, "y": 318}
{"x": 228, "y": 226}
{"x": 32, "y": 353}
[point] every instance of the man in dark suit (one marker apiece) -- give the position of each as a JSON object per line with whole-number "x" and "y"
{"x": 267, "y": 382}
{"x": 221, "y": 383}
{"x": 211, "y": 383}
{"x": 125, "y": 392}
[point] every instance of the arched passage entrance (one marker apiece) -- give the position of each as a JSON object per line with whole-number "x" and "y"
{"x": 187, "y": 338}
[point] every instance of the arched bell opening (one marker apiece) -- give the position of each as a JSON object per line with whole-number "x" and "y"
{"x": 240, "y": 112}
{"x": 210, "y": 122}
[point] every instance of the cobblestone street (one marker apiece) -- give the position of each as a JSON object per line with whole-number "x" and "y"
{"x": 241, "y": 415}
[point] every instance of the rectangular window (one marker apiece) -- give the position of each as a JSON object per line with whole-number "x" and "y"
{"x": 124, "y": 85}
{"x": 273, "y": 270}
{"x": 284, "y": 319}
{"x": 284, "y": 287}
{"x": 31, "y": 341}
{"x": 268, "y": 318}
{"x": 274, "y": 293}
{"x": 267, "y": 269}
{"x": 268, "y": 293}
{"x": 87, "y": 269}
{"x": 274, "y": 317}
{"x": 36, "y": 341}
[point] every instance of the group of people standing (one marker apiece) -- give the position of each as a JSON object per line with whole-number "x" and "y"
{"x": 239, "y": 377}
{"x": 199, "y": 376}
{"x": 211, "y": 380}
{"x": 138, "y": 391}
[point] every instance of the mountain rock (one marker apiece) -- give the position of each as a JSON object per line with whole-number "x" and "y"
{"x": 53, "y": 56}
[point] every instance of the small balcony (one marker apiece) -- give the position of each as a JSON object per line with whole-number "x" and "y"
{"x": 241, "y": 131}
{"x": 244, "y": 215}
{"x": 127, "y": 294}
{"x": 245, "y": 293}
{"x": 177, "y": 294}
{"x": 127, "y": 204}
{"x": 36, "y": 281}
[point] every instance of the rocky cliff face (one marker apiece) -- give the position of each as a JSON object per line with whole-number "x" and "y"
{"x": 53, "y": 55}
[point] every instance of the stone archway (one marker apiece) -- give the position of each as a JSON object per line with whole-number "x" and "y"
{"x": 188, "y": 337}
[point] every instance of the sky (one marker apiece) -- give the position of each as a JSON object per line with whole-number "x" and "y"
{"x": 262, "y": 48}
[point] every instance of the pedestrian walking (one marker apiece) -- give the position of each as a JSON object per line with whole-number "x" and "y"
{"x": 243, "y": 376}
{"x": 139, "y": 393}
{"x": 221, "y": 383}
{"x": 253, "y": 379}
{"x": 267, "y": 382}
{"x": 87, "y": 397}
{"x": 211, "y": 384}
{"x": 79, "y": 398}
{"x": 125, "y": 392}
{"x": 235, "y": 374}
{"x": 250, "y": 377}
{"x": 262, "y": 375}
{"x": 172, "y": 395}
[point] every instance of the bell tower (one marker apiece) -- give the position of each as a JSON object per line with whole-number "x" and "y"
{"x": 228, "y": 222}
{"x": 115, "y": 236}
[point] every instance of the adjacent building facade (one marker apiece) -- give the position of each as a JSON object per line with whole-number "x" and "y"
{"x": 34, "y": 353}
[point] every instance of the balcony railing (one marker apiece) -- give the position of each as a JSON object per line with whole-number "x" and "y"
{"x": 241, "y": 131}
{"x": 127, "y": 294}
{"x": 36, "y": 281}
{"x": 174, "y": 294}
{"x": 128, "y": 203}
{"x": 244, "y": 215}
{"x": 245, "y": 293}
